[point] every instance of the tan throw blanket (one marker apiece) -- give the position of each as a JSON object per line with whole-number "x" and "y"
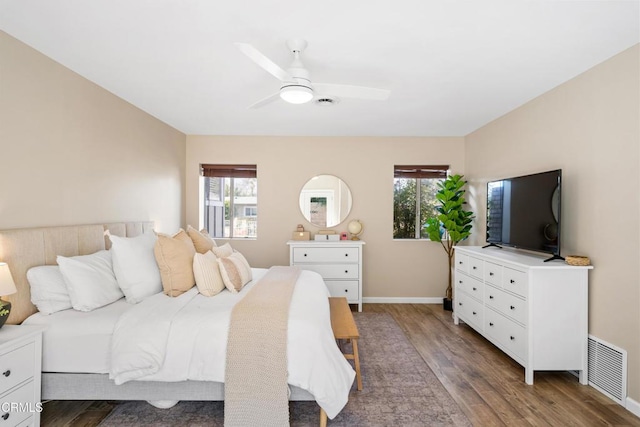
{"x": 256, "y": 392}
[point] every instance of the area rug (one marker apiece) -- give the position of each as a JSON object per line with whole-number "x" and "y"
{"x": 399, "y": 390}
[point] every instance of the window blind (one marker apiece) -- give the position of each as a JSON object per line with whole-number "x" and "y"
{"x": 228, "y": 171}
{"x": 420, "y": 171}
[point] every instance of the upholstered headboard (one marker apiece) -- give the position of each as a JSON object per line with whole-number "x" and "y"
{"x": 29, "y": 247}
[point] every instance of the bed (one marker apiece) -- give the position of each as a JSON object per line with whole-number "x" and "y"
{"x": 80, "y": 372}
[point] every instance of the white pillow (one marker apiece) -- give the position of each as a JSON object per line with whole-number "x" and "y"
{"x": 48, "y": 290}
{"x": 135, "y": 267}
{"x": 90, "y": 280}
{"x": 207, "y": 274}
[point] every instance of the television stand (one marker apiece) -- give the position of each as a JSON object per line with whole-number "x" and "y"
{"x": 492, "y": 244}
{"x": 554, "y": 257}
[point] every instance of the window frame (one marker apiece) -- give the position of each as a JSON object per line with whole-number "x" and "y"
{"x": 230, "y": 173}
{"x": 418, "y": 172}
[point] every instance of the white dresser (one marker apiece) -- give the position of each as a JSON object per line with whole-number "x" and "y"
{"x": 339, "y": 263}
{"x": 534, "y": 311}
{"x": 20, "y": 375}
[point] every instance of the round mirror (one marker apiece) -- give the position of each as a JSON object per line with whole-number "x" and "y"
{"x": 325, "y": 201}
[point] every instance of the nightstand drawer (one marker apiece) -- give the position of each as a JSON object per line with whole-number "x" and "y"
{"x": 16, "y": 366}
{"x": 344, "y": 288}
{"x": 333, "y": 271}
{"x": 303, "y": 255}
{"x": 18, "y": 405}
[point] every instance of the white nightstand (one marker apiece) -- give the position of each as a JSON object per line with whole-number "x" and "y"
{"x": 20, "y": 375}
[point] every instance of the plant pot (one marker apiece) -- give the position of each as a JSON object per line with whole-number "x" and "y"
{"x": 447, "y": 304}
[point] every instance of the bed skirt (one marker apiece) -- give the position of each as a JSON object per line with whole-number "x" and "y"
{"x": 66, "y": 386}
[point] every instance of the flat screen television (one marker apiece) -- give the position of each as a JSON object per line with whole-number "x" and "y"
{"x": 524, "y": 212}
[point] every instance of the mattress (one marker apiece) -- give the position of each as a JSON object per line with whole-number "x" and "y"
{"x": 80, "y": 342}
{"x": 77, "y": 341}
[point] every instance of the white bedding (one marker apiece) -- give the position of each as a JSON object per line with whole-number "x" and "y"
{"x": 184, "y": 338}
{"x": 77, "y": 341}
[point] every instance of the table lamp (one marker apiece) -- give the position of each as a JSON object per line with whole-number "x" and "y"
{"x": 7, "y": 287}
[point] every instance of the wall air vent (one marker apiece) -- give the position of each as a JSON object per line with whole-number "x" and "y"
{"x": 608, "y": 369}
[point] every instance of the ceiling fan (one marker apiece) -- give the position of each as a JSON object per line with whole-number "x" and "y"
{"x": 296, "y": 86}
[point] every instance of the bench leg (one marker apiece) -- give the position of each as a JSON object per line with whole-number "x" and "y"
{"x": 323, "y": 418}
{"x": 356, "y": 359}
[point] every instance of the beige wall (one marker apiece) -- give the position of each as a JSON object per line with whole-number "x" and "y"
{"x": 589, "y": 127}
{"x": 73, "y": 153}
{"x": 392, "y": 268}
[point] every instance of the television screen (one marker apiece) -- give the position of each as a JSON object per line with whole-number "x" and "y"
{"x": 524, "y": 212}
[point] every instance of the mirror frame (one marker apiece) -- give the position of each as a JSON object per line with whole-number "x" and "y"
{"x": 338, "y": 206}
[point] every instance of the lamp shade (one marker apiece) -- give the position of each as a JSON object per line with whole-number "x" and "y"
{"x": 7, "y": 285}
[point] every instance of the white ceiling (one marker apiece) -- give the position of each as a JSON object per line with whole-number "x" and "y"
{"x": 452, "y": 66}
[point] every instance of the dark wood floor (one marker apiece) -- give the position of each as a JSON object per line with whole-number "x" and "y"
{"x": 487, "y": 385}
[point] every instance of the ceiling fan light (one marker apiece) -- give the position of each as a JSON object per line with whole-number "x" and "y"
{"x": 296, "y": 94}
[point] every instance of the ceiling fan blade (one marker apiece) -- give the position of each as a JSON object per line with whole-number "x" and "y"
{"x": 268, "y": 100}
{"x": 349, "y": 91}
{"x": 264, "y": 62}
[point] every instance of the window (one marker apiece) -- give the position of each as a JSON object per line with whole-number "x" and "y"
{"x": 414, "y": 199}
{"x": 230, "y": 200}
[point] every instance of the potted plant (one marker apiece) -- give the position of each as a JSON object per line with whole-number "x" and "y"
{"x": 453, "y": 223}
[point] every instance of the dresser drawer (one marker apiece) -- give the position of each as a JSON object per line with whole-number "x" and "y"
{"x": 470, "y": 285}
{"x": 303, "y": 255}
{"x": 17, "y": 366}
{"x": 493, "y": 273}
{"x": 333, "y": 271}
{"x": 476, "y": 267}
{"x": 514, "y": 281}
{"x": 462, "y": 262}
{"x": 344, "y": 288}
{"x": 505, "y": 303}
{"x": 23, "y": 405}
{"x": 469, "y": 310}
{"x": 507, "y": 333}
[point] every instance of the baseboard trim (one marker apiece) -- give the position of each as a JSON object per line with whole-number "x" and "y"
{"x": 402, "y": 300}
{"x": 633, "y": 406}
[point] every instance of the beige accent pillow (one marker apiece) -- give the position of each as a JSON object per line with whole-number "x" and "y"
{"x": 235, "y": 271}
{"x": 207, "y": 274}
{"x": 222, "y": 251}
{"x": 174, "y": 255}
{"x": 201, "y": 239}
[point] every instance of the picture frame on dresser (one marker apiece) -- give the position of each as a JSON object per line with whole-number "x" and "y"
{"x": 338, "y": 262}
{"x": 534, "y": 311}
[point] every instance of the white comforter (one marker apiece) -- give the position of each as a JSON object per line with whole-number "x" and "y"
{"x": 185, "y": 338}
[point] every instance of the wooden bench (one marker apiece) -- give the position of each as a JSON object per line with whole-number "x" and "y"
{"x": 344, "y": 328}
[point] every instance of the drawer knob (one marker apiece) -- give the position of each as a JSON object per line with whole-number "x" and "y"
{"x": 490, "y": 296}
{"x": 5, "y": 416}
{"x": 491, "y": 273}
{"x": 474, "y": 267}
{"x": 459, "y": 281}
{"x": 459, "y": 303}
{"x": 475, "y": 289}
{"x": 305, "y": 254}
{"x": 474, "y": 313}
{"x": 490, "y": 323}
{"x": 346, "y": 254}
{"x": 512, "y": 307}
{"x": 346, "y": 271}
{"x": 7, "y": 372}
{"x": 346, "y": 290}
{"x": 460, "y": 262}
{"x": 512, "y": 338}
{"x": 512, "y": 281}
